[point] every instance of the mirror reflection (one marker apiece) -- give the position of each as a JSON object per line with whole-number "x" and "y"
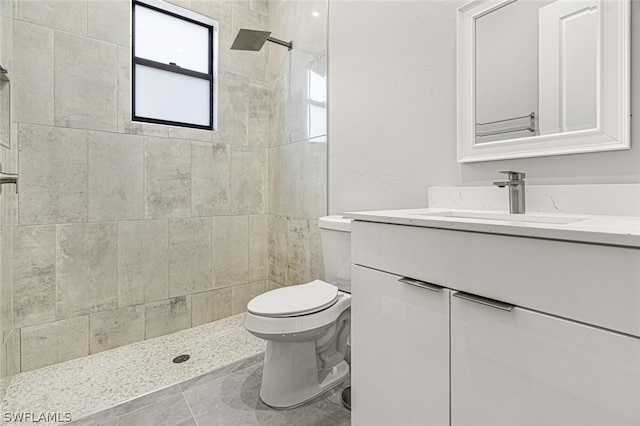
{"x": 536, "y": 69}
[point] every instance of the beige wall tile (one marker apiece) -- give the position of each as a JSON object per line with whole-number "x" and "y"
{"x": 260, "y": 6}
{"x": 283, "y": 17}
{"x": 143, "y": 261}
{"x": 5, "y": 281}
{"x": 116, "y": 169}
{"x": 274, "y": 185}
{"x": 182, "y": 3}
{"x": 219, "y": 10}
{"x": 233, "y": 109}
{"x": 6, "y": 15}
{"x": 230, "y": 250}
{"x": 5, "y": 110}
{"x": 290, "y": 182}
{"x": 9, "y": 197}
{"x": 242, "y": 294}
{"x": 298, "y": 257}
{"x": 32, "y": 74}
{"x": 34, "y": 275}
{"x": 278, "y": 249}
{"x": 279, "y": 91}
{"x": 190, "y": 134}
{"x": 258, "y": 247}
{"x": 5, "y": 378}
{"x": 167, "y": 178}
{"x": 110, "y": 329}
{"x": 67, "y": 15}
{"x": 54, "y": 342}
{"x": 109, "y": 20}
{"x": 189, "y": 255}
{"x": 210, "y": 179}
{"x": 86, "y": 268}
{"x": 270, "y": 285}
{"x": 225, "y": 39}
{"x": 258, "y": 124}
{"x": 13, "y": 352}
{"x": 211, "y": 306}
{"x": 297, "y": 119}
{"x": 53, "y": 175}
{"x": 85, "y": 83}
{"x": 167, "y": 316}
{"x": 314, "y": 179}
{"x": 316, "y": 259}
{"x": 248, "y": 64}
{"x": 249, "y": 175}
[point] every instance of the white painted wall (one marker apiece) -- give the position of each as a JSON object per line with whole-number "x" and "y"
{"x": 392, "y": 111}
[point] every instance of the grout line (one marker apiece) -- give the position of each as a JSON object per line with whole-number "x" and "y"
{"x": 188, "y": 405}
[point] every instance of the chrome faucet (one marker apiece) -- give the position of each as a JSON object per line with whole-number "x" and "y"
{"x": 516, "y": 191}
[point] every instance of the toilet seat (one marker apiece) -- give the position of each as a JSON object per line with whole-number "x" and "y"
{"x": 303, "y": 299}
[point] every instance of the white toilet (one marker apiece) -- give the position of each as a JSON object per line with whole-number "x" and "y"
{"x": 306, "y": 326}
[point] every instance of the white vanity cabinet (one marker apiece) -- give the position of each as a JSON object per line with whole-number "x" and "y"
{"x": 559, "y": 346}
{"x": 525, "y": 368}
{"x": 400, "y": 369}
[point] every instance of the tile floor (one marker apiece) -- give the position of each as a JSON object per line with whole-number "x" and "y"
{"x": 227, "y": 396}
{"x": 94, "y": 383}
{"x": 138, "y": 385}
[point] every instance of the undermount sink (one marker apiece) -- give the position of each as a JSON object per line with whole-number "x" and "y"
{"x": 508, "y": 217}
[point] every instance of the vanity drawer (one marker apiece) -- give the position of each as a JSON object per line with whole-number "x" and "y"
{"x": 595, "y": 284}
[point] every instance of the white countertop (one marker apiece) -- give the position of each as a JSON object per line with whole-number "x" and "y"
{"x": 610, "y": 230}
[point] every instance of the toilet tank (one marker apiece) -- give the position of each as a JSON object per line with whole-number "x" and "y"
{"x": 335, "y": 232}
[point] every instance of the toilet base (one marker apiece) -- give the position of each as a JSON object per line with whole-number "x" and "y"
{"x": 290, "y": 375}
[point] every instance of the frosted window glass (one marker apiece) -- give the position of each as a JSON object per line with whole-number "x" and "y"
{"x": 164, "y": 38}
{"x": 169, "y": 96}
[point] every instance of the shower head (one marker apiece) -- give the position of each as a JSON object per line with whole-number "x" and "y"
{"x": 253, "y": 40}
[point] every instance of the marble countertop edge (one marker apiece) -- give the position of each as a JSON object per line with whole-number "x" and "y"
{"x": 607, "y": 230}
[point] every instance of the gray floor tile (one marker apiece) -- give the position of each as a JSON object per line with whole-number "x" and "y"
{"x": 234, "y": 400}
{"x": 227, "y": 396}
{"x": 224, "y": 371}
{"x": 172, "y": 411}
{"x": 102, "y": 417}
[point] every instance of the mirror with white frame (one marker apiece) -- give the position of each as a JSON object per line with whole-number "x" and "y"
{"x": 542, "y": 77}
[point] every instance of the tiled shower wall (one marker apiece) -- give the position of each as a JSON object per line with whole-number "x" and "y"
{"x": 129, "y": 231}
{"x": 297, "y": 140}
{"x": 10, "y": 341}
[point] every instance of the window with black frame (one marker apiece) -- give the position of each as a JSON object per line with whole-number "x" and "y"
{"x": 173, "y": 66}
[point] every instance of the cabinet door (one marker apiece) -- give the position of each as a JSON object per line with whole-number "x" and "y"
{"x": 399, "y": 351}
{"x": 526, "y": 368}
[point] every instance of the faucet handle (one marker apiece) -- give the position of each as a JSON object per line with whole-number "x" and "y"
{"x": 513, "y": 175}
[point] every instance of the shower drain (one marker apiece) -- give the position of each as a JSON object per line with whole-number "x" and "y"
{"x": 181, "y": 358}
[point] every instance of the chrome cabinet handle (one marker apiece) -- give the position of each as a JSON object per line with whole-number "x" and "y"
{"x": 421, "y": 284}
{"x": 484, "y": 301}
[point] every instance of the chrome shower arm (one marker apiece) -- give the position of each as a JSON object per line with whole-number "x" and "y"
{"x": 288, "y": 44}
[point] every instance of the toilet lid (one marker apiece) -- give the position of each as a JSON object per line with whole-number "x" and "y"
{"x": 295, "y": 300}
